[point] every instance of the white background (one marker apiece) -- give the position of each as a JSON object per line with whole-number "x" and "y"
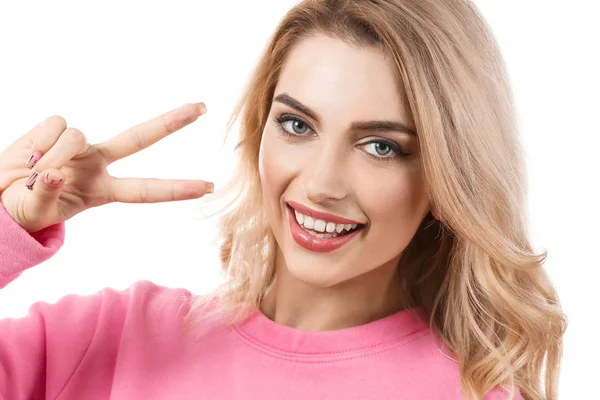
{"x": 107, "y": 66}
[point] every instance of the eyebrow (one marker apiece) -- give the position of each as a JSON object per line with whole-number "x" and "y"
{"x": 375, "y": 125}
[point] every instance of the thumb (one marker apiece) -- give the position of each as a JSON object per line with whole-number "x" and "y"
{"x": 46, "y": 189}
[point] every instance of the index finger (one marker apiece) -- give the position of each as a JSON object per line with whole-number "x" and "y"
{"x": 147, "y": 133}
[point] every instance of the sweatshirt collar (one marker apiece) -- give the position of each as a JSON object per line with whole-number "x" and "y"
{"x": 259, "y": 331}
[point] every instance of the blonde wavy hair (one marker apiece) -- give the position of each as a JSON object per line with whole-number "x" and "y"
{"x": 473, "y": 270}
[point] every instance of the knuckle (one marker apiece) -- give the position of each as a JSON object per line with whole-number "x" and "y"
{"x": 172, "y": 191}
{"x": 104, "y": 152}
{"x": 4, "y": 183}
{"x": 137, "y": 139}
{"x": 7, "y": 178}
{"x": 168, "y": 124}
{"x": 75, "y": 135}
{"x": 143, "y": 191}
{"x": 56, "y": 120}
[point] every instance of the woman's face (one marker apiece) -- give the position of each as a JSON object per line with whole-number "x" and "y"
{"x": 340, "y": 140}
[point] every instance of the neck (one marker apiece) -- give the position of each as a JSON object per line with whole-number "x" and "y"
{"x": 363, "y": 299}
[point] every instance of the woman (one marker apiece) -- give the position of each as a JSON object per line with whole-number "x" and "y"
{"x": 376, "y": 245}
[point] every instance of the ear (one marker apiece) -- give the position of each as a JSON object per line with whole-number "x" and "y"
{"x": 435, "y": 213}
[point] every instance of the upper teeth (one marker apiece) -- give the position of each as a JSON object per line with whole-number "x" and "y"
{"x": 320, "y": 225}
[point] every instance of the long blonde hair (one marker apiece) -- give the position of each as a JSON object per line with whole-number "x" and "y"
{"x": 473, "y": 270}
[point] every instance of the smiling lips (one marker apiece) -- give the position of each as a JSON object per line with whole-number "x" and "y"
{"x": 320, "y": 232}
{"x": 320, "y": 215}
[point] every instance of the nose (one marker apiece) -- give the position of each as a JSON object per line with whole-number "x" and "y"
{"x": 325, "y": 177}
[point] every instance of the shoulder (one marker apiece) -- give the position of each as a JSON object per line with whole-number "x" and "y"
{"x": 148, "y": 307}
{"x": 143, "y": 296}
{"x": 81, "y": 333}
{"x": 428, "y": 359}
{"x": 431, "y": 360}
{"x": 110, "y": 312}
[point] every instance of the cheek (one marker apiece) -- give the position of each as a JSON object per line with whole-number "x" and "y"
{"x": 277, "y": 165}
{"x": 395, "y": 198}
{"x": 395, "y": 204}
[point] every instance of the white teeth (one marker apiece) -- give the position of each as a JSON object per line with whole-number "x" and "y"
{"x": 299, "y": 217}
{"x": 323, "y": 235}
{"x": 320, "y": 225}
{"x": 330, "y": 227}
{"x": 309, "y": 222}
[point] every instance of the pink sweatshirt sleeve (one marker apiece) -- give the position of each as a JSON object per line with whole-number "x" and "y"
{"x": 42, "y": 354}
{"x": 20, "y": 250}
{"x": 26, "y": 344}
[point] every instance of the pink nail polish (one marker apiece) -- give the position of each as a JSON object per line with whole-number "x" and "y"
{"x": 35, "y": 157}
{"x": 52, "y": 181}
{"x": 31, "y": 180}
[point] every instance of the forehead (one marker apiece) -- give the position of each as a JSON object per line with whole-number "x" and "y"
{"x": 337, "y": 79}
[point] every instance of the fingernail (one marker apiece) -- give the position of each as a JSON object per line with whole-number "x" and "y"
{"x": 210, "y": 187}
{"x": 202, "y": 107}
{"x": 31, "y": 180}
{"x": 35, "y": 157}
{"x": 51, "y": 180}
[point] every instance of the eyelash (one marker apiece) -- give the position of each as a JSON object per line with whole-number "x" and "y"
{"x": 395, "y": 148}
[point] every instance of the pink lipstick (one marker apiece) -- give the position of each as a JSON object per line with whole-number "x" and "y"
{"x": 316, "y": 244}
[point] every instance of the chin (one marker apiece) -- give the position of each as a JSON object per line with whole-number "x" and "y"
{"x": 316, "y": 271}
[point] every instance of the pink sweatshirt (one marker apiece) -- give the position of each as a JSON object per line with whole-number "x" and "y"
{"x": 128, "y": 345}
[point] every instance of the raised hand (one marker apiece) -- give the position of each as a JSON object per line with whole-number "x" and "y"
{"x": 51, "y": 173}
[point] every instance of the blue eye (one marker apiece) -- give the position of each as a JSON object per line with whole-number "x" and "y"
{"x": 384, "y": 150}
{"x": 381, "y": 149}
{"x": 291, "y": 125}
